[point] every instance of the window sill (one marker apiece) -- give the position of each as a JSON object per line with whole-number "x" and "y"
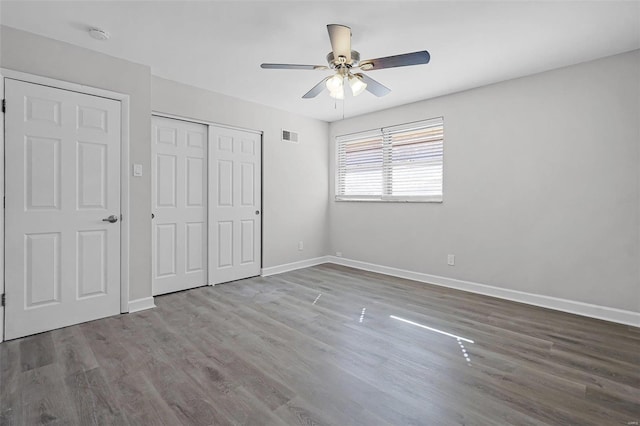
{"x": 437, "y": 200}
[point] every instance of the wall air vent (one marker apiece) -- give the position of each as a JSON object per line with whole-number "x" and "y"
{"x": 289, "y": 136}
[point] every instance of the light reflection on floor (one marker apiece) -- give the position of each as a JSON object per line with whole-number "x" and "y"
{"x": 464, "y": 352}
{"x": 362, "y": 314}
{"x": 435, "y": 330}
{"x": 459, "y": 339}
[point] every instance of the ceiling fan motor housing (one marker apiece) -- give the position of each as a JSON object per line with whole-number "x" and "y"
{"x": 340, "y": 61}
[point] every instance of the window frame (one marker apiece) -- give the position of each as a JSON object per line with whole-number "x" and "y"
{"x": 387, "y": 198}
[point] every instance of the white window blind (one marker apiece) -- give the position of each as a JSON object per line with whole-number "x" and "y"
{"x": 399, "y": 163}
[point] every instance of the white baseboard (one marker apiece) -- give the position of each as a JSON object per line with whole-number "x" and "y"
{"x": 141, "y": 304}
{"x": 279, "y": 269}
{"x": 565, "y": 305}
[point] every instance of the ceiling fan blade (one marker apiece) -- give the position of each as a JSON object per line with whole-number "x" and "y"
{"x": 293, "y": 67}
{"x": 373, "y": 86}
{"x": 340, "y": 37}
{"x": 414, "y": 58}
{"x": 317, "y": 89}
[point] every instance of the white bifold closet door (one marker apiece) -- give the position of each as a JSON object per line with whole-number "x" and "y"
{"x": 62, "y": 215}
{"x": 236, "y": 197}
{"x": 179, "y": 176}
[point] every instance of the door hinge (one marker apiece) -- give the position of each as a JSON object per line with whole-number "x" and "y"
{"x": 4, "y": 105}
{"x": 4, "y": 300}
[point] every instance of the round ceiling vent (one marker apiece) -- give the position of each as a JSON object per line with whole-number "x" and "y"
{"x": 99, "y": 34}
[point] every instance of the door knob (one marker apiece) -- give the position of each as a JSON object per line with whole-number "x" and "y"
{"x": 111, "y": 219}
{"x": 257, "y": 211}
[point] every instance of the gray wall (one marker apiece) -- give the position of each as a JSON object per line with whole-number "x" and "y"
{"x": 294, "y": 181}
{"x": 30, "y": 53}
{"x": 541, "y": 188}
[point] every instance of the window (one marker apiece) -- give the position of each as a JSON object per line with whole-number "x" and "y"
{"x": 399, "y": 163}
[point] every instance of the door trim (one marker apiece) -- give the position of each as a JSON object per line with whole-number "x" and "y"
{"x": 125, "y": 166}
{"x": 207, "y": 123}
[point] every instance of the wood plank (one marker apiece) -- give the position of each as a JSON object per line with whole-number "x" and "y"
{"x": 36, "y": 351}
{"x": 45, "y": 398}
{"x": 10, "y": 392}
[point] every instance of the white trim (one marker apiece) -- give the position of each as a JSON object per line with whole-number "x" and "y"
{"x": 574, "y": 307}
{"x": 125, "y": 185}
{"x": 124, "y": 166}
{"x": 279, "y": 269}
{"x": 208, "y": 123}
{"x": 2, "y": 211}
{"x": 210, "y": 218}
{"x": 61, "y": 84}
{"x": 389, "y": 199}
{"x": 141, "y": 304}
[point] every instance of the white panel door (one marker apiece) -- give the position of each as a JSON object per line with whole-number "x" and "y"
{"x": 62, "y": 258}
{"x": 179, "y": 175}
{"x": 235, "y": 181}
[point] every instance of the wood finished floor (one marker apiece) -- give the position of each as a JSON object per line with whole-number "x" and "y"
{"x": 297, "y": 348}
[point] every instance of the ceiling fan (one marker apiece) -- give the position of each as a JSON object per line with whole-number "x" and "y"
{"x": 342, "y": 59}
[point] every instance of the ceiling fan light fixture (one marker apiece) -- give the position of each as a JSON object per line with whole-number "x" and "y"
{"x": 357, "y": 85}
{"x": 335, "y": 82}
{"x": 337, "y": 93}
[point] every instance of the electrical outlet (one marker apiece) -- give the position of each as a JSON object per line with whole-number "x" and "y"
{"x": 451, "y": 259}
{"x": 300, "y": 245}
{"x": 338, "y": 254}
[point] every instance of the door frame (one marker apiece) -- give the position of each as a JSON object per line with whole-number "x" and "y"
{"x": 209, "y": 125}
{"x": 125, "y": 166}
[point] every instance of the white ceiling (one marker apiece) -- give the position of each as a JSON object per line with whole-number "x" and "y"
{"x": 219, "y": 45}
